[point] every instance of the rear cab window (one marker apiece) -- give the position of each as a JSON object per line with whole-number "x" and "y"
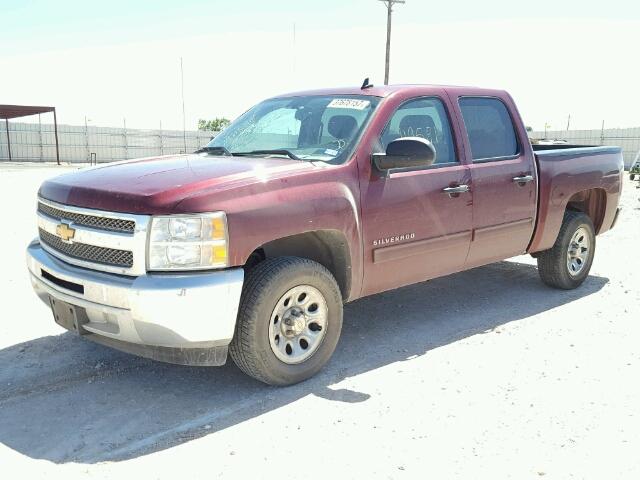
{"x": 489, "y": 128}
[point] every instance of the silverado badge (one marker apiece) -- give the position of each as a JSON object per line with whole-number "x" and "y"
{"x": 65, "y": 232}
{"x": 394, "y": 239}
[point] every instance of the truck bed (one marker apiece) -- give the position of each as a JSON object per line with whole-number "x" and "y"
{"x": 575, "y": 173}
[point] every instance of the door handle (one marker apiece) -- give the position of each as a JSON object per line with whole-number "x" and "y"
{"x": 455, "y": 191}
{"x": 523, "y": 179}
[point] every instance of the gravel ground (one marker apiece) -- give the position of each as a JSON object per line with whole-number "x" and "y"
{"x": 482, "y": 374}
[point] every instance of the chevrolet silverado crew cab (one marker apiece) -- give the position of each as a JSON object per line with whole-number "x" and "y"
{"x": 251, "y": 245}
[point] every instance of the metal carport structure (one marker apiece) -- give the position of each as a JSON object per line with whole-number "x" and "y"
{"x": 15, "y": 111}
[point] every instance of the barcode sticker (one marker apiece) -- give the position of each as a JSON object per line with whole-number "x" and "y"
{"x": 352, "y": 103}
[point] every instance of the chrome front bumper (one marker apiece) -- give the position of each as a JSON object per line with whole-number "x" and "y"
{"x": 179, "y": 318}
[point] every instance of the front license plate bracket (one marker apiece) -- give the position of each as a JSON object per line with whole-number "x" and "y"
{"x": 68, "y": 316}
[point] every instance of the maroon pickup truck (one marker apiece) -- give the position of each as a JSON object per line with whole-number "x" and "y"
{"x": 251, "y": 245}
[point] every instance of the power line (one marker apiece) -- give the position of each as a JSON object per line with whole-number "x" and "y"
{"x": 389, "y": 4}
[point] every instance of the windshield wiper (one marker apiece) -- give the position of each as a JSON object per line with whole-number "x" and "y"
{"x": 222, "y": 150}
{"x": 275, "y": 151}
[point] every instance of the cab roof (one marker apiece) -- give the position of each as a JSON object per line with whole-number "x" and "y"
{"x": 387, "y": 90}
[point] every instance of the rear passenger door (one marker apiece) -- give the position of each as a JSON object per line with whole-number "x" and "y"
{"x": 503, "y": 180}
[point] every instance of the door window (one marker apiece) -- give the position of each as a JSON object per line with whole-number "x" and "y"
{"x": 426, "y": 118}
{"x": 489, "y": 128}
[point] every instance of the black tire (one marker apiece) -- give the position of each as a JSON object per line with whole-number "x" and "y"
{"x": 552, "y": 263}
{"x": 632, "y": 176}
{"x": 264, "y": 285}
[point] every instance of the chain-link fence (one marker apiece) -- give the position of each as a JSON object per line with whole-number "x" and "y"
{"x": 34, "y": 142}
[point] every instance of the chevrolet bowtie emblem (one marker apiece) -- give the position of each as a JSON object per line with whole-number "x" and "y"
{"x": 65, "y": 232}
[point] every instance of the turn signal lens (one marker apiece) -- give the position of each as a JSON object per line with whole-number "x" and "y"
{"x": 218, "y": 228}
{"x": 219, "y": 254}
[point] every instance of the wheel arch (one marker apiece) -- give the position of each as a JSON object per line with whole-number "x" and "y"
{"x": 592, "y": 202}
{"x": 327, "y": 247}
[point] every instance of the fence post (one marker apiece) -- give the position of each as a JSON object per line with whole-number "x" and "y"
{"x": 6, "y": 122}
{"x": 161, "y": 140}
{"x": 126, "y": 145}
{"x": 40, "y": 132}
{"x": 86, "y": 139}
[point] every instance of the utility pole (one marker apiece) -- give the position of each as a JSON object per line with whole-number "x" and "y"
{"x": 184, "y": 128}
{"x": 294, "y": 48}
{"x": 389, "y": 4}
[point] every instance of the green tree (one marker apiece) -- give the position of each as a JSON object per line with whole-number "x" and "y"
{"x": 215, "y": 125}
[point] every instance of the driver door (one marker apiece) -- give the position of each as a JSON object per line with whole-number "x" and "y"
{"x": 413, "y": 230}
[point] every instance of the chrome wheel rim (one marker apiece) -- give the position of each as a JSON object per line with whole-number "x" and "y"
{"x": 298, "y": 324}
{"x": 578, "y": 251}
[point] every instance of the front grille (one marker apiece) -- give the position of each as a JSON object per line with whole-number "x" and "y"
{"x": 88, "y": 253}
{"x": 102, "y": 223}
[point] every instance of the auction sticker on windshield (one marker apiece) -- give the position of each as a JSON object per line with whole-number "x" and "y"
{"x": 352, "y": 103}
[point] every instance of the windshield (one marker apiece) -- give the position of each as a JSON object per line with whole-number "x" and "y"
{"x": 323, "y": 127}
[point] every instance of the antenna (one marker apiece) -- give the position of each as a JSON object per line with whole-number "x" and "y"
{"x": 366, "y": 84}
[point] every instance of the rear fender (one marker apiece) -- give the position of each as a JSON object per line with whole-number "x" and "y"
{"x": 587, "y": 180}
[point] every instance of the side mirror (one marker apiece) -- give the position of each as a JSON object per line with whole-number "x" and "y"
{"x": 406, "y": 152}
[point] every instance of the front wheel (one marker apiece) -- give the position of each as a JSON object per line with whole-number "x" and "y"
{"x": 289, "y": 321}
{"x": 567, "y": 264}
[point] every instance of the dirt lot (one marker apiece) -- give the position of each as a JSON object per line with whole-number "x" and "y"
{"x": 483, "y": 374}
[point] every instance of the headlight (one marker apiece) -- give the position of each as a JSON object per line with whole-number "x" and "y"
{"x": 188, "y": 242}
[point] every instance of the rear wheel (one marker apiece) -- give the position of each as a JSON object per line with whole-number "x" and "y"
{"x": 289, "y": 320}
{"x": 567, "y": 263}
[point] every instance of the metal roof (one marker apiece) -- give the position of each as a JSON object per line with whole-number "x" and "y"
{"x": 15, "y": 111}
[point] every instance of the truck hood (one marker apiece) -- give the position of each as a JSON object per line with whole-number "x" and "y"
{"x": 156, "y": 185}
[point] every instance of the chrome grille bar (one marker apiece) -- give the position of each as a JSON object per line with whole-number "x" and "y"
{"x": 102, "y": 223}
{"x": 88, "y": 253}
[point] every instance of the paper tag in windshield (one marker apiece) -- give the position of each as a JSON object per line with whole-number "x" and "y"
{"x": 352, "y": 103}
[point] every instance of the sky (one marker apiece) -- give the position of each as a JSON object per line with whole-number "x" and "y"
{"x": 119, "y": 61}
